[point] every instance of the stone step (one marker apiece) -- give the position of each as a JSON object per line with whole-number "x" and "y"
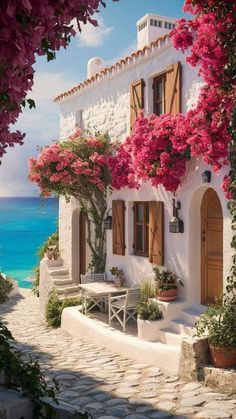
{"x": 170, "y": 336}
{"x": 67, "y": 289}
{"x": 183, "y": 327}
{"x": 58, "y": 271}
{"x": 62, "y": 280}
{"x": 191, "y": 314}
{"x": 54, "y": 263}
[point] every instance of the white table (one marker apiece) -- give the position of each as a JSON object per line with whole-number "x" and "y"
{"x": 98, "y": 291}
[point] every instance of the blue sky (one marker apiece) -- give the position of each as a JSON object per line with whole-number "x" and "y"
{"x": 114, "y": 38}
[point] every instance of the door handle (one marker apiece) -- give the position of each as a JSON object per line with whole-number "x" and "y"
{"x": 203, "y": 236}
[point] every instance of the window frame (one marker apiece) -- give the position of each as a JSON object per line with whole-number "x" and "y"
{"x": 160, "y": 77}
{"x": 145, "y": 225}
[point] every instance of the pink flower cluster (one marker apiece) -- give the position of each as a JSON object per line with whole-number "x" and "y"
{"x": 72, "y": 164}
{"x": 209, "y": 127}
{"x": 207, "y": 35}
{"x": 211, "y": 39}
{"x": 29, "y": 28}
{"x": 156, "y": 151}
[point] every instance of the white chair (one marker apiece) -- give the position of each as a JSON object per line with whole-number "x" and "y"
{"x": 95, "y": 301}
{"x": 125, "y": 304}
{"x": 92, "y": 277}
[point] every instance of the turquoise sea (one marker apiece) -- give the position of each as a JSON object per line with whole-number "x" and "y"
{"x": 24, "y": 225}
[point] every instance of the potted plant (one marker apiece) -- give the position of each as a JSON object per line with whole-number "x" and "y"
{"x": 118, "y": 275}
{"x": 149, "y": 313}
{"x": 167, "y": 283}
{"x": 218, "y": 322}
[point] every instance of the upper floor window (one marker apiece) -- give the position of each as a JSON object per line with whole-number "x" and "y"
{"x": 167, "y": 91}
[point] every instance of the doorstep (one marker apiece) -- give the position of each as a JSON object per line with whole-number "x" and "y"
{"x": 159, "y": 354}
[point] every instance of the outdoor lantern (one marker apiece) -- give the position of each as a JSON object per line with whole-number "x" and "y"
{"x": 206, "y": 176}
{"x": 108, "y": 222}
{"x": 176, "y": 225}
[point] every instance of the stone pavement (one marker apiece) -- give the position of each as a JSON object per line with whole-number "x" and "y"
{"x": 106, "y": 385}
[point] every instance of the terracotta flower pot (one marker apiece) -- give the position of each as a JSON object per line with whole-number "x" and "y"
{"x": 168, "y": 295}
{"x": 221, "y": 358}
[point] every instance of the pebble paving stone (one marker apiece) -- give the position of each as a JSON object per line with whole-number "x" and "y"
{"x": 108, "y": 386}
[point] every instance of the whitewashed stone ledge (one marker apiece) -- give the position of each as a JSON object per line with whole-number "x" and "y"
{"x": 161, "y": 355}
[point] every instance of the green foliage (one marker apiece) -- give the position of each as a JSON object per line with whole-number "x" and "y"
{"x": 6, "y": 286}
{"x": 149, "y": 310}
{"x": 55, "y": 306}
{"x": 219, "y": 324}
{"x": 25, "y": 376}
{"x": 52, "y": 240}
{"x": 35, "y": 289}
{"x": 147, "y": 289}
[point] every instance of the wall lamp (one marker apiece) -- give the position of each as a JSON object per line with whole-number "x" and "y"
{"x": 108, "y": 221}
{"x": 206, "y": 176}
{"x": 176, "y": 225}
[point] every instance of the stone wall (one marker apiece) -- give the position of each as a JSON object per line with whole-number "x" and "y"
{"x": 194, "y": 356}
{"x": 224, "y": 380}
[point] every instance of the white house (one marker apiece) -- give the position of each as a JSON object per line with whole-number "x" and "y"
{"x": 157, "y": 79}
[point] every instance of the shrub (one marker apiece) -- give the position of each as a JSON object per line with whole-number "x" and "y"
{"x": 55, "y": 306}
{"x": 24, "y": 376}
{"x": 52, "y": 240}
{"x": 147, "y": 289}
{"x": 6, "y": 286}
{"x": 218, "y": 322}
{"x": 149, "y": 310}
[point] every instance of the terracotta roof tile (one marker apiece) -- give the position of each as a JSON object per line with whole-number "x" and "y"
{"x": 110, "y": 69}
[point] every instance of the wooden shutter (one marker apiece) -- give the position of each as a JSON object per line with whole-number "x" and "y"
{"x": 156, "y": 232}
{"x": 136, "y": 100}
{"x": 118, "y": 227}
{"x": 173, "y": 89}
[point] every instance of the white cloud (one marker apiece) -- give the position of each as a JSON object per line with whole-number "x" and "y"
{"x": 41, "y": 126}
{"x": 93, "y": 36}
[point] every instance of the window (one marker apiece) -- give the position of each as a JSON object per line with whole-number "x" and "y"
{"x": 167, "y": 90}
{"x": 159, "y": 95}
{"x": 141, "y": 228}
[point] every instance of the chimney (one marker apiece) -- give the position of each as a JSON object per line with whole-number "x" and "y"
{"x": 94, "y": 65}
{"x": 152, "y": 26}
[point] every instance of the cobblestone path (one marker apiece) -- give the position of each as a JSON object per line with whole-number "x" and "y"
{"x": 107, "y": 386}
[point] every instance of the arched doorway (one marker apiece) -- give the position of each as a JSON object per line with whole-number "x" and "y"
{"x": 211, "y": 247}
{"x": 82, "y": 243}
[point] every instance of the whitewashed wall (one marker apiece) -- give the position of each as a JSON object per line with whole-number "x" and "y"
{"x": 106, "y": 106}
{"x": 181, "y": 251}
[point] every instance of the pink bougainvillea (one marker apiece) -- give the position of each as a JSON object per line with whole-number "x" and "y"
{"x": 75, "y": 164}
{"x": 156, "y": 151}
{"x": 160, "y": 146}
{"x": 29, "y": 28}
{"x": 210, "y": 37}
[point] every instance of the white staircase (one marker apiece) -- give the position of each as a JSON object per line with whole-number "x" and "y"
{"x": 180, "y": 319}
{"x": 61, "y": 280}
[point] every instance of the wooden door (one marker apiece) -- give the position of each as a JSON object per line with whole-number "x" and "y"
{"x": 211, "y": 247}
{"x": 82, "y": 243}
